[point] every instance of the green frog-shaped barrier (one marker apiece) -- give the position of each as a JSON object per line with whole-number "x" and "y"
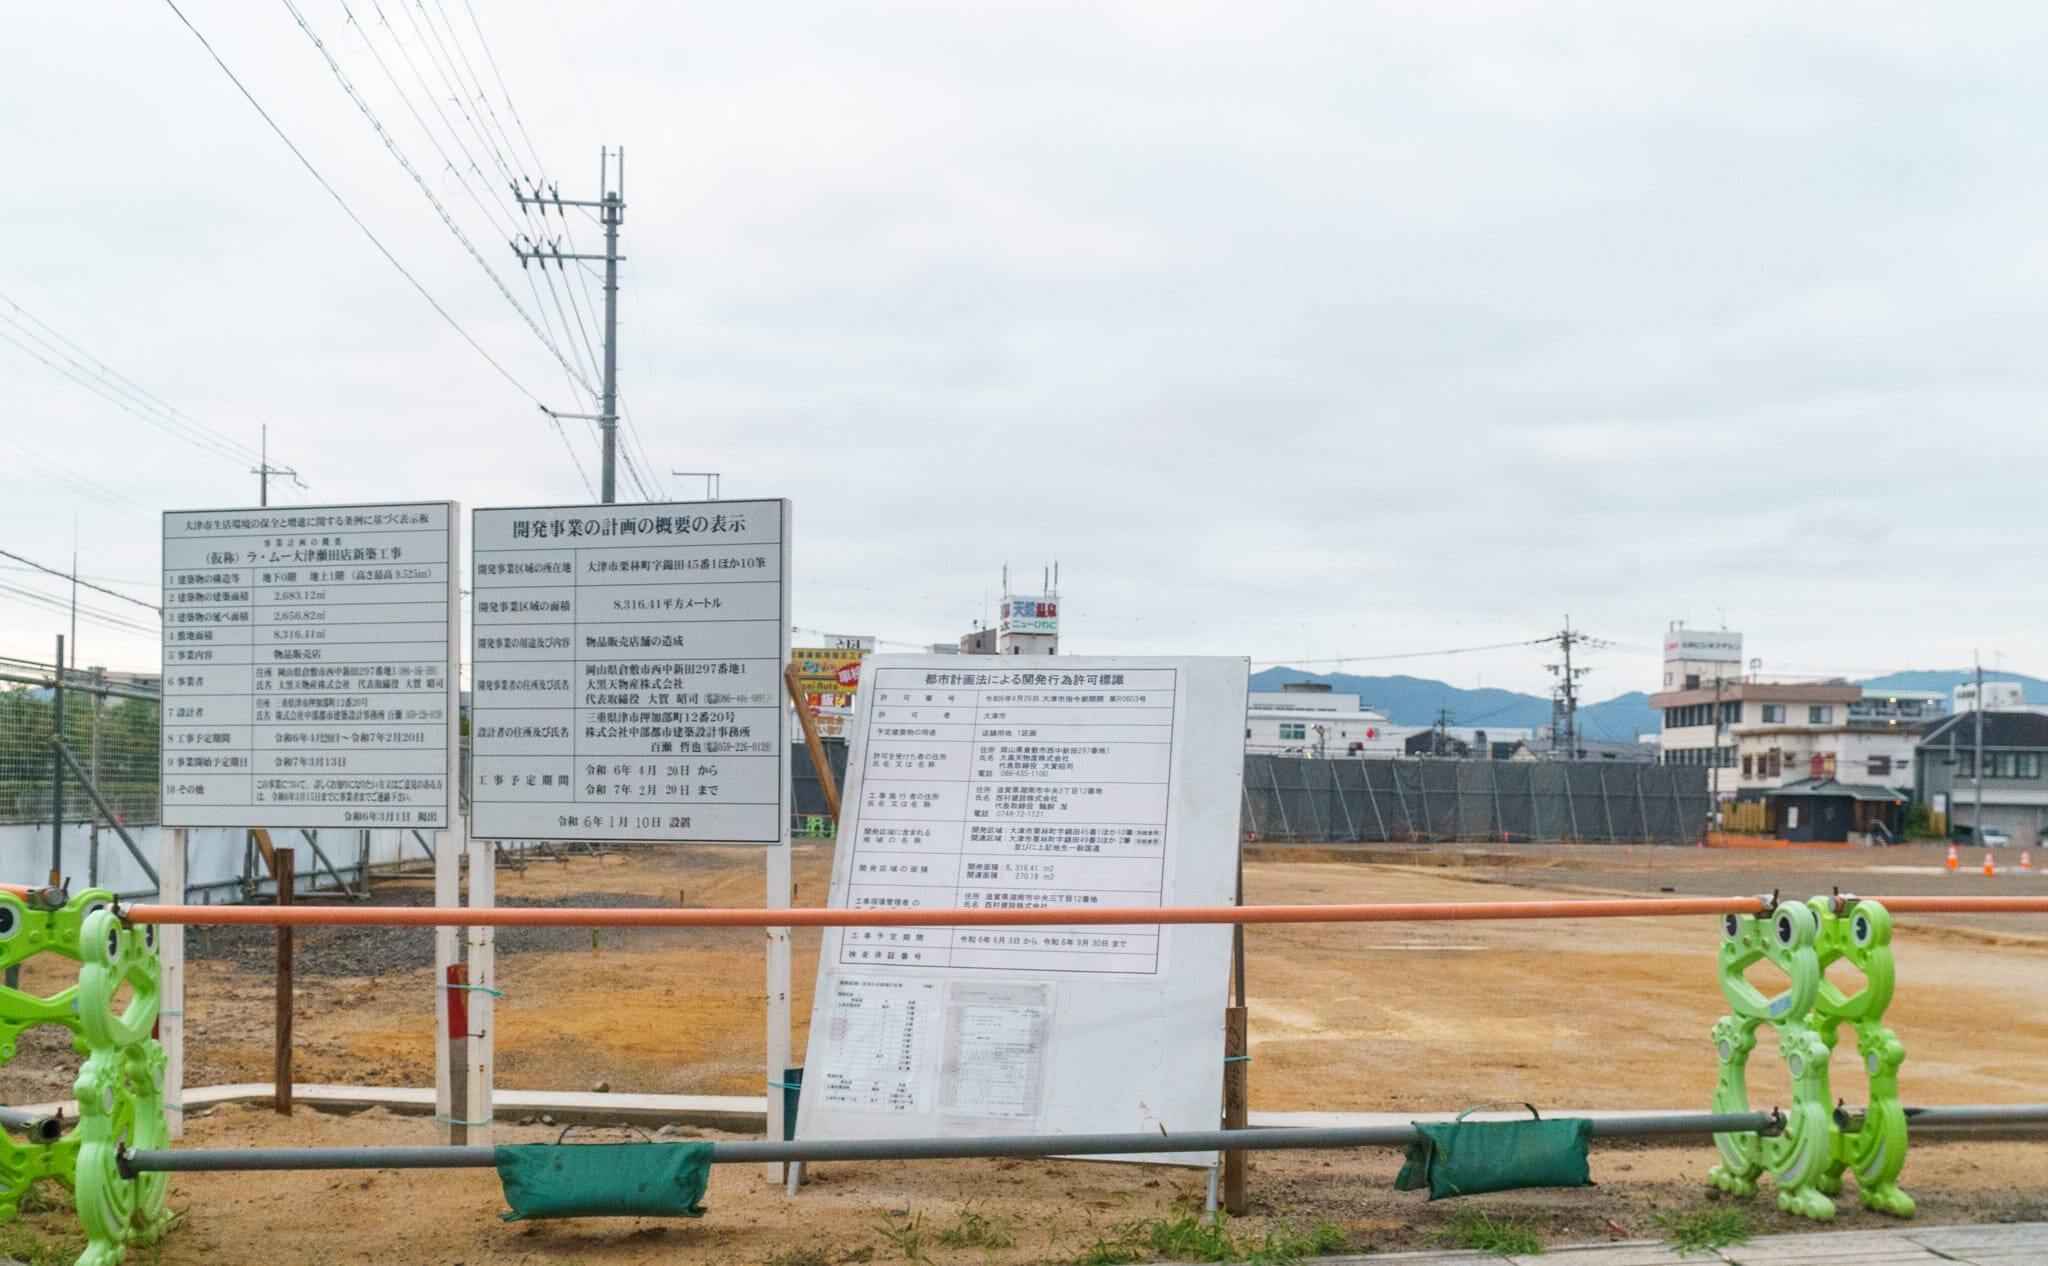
{"x": 28, "y": 927}
{"x": 1807, "y": 1158}
{"x": 1874, "y": 1149}
{"x": 120, "y": 1089}
{"x": 1796, "y": 1157}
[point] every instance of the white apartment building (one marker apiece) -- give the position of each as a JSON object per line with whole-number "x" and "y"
{"x": 1307, "y": 718}
{"x": 1705, "y": 725}
{"x": 1853, "y": 753}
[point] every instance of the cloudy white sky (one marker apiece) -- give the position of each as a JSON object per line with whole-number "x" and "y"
{"x": 1291, "y": 331}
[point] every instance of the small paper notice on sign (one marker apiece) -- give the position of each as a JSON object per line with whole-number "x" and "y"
{"x": 995, "y": 1050}
{"x": 874, "y": 1051}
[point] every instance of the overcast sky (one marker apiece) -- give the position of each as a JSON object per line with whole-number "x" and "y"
{"x": 1291, "y": 331}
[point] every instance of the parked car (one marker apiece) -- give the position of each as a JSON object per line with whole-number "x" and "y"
{"x": 1991, "y": 836}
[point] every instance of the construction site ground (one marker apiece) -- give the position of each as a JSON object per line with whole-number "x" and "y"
{"x": 1375, "y": 1018}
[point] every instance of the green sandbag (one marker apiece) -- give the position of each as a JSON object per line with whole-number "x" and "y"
{"x": 604, "y": 1180}
{"x": 1465, "y": 1158}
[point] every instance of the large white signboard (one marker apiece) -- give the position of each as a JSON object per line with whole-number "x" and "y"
{"x": 1000, "y": 783}
{"x": 309, "y": 666}
{"x": 626, "y": 672}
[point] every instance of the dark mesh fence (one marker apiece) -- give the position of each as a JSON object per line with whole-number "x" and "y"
{"x": 1291, "y": 798}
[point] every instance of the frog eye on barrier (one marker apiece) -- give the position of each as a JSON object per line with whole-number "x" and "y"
{"x": 94, "y": 908}
{"x": 113, "y": 942}
{"x": 1786, "y": 928}
{"x": 1859, "y": 928}
{"x": 1731, "y": 926}
{"x": 10, "y": 922}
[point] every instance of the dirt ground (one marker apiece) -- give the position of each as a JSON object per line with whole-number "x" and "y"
{"x": 1384, "y": 1017}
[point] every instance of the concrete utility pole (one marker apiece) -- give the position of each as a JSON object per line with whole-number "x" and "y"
{"x": 1977, "y": 761}
{"x": 1566, "y": 701}
{"x": 611, "y": 211}
{"x": 264, "y": 470}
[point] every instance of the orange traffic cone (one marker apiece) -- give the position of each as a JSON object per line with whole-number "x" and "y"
{"x": 2026, "y": 860}
{"x": 1952, "y": 863}
{"x": 1990, "y": 866}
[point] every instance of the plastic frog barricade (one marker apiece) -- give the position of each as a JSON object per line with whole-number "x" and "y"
{"x": 29, "y": 927}
{"x": 1807, "y": 1158}
{"x": 1875, "y": 1151}
{"x": 120, "y": 1089}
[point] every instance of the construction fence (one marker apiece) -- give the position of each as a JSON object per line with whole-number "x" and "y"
{"x": 1306, "y": 800}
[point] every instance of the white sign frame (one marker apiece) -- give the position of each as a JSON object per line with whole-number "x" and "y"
{"x": 1032, "y": 1050}
{"x": 502, "y": 819}
{"x": 177, "y": 812}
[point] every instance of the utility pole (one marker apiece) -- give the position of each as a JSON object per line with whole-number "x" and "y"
{"x": 1977, "y": 761}
{"x": 611, "y": 211}
{"x": 1565, "y": 702}
{"x": 1441, "y": 741}
{"x": 264, "y": 470}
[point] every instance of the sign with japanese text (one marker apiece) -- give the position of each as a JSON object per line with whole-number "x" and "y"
{"x": 626, "y": 672}
{"x": 976, "y": 783}
{"x": 310, "y": 660}
{"x": 1030, "y": 615}
{"x": 827, "y": 677}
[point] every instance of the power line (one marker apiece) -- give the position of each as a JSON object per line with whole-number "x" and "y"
{"x": 64, "y": 606}
{"x": 82, "y": 583}
{"x": 341, "y": 202}
{"x": 82, "y": 485}
{"x": 174, "y": 418}
{"x": 391, "y": 144}
{"x": 1362, "y": 659}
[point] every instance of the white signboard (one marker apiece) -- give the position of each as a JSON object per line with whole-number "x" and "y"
{"x": 984, "y": 783}
{"x": 626, "y": 672}
{"x": 309, "y": 666}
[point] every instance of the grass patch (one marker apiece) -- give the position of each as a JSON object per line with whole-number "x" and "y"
{"x": 1704, "y": 1230}
{"x": 975, "y": 1229}
{"x": 1478, "y": 1230}
{"x": 1186, "y": 1235}
{"x": 34, "y": 1248}
{"x": 907, "y": 1236}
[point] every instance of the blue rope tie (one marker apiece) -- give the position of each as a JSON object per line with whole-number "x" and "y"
{"x": 785, "y": 1085}
{"x": 1237, "y": 1059}
{"x": 495, "y": 993}
{"x": 459, "y": 1121}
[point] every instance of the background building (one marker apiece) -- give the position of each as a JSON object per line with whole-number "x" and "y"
{"x": 1698, "y": 657}
{"x": 1307, "y": 718}
{"x": 1704, "y": 725}
{"x": 2015, "y": 773}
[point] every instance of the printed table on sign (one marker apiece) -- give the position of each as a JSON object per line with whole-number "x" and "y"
{"x": 627, "y": 672}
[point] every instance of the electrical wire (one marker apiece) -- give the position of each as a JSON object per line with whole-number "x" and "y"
{"x": 341, "y": 202}
{"x": 88, "y": 614}
{"x": 82, "y": 485}
{"x": 426, "y": 190}
{"x": 1362, "y": 659}
{"x": 81, "y": 582}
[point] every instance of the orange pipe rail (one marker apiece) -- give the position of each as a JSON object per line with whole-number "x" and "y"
{"x": 1043, "y": 916}
{"x": 1040, "y": 916}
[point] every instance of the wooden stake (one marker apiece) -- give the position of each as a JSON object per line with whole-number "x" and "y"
{"x": 282, "y": 1074}
{"x": 812, "y": 743}
{"x": 1236, "y": 1065}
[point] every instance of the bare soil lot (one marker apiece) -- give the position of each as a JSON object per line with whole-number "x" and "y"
{"x": 1384, "y": 1017}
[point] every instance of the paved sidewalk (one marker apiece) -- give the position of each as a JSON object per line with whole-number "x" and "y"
{"x": 2009, "y": 1245}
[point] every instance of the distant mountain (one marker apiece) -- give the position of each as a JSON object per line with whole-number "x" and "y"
{"x": 1946, "y": 680}
{"x": 1415, "y": 700}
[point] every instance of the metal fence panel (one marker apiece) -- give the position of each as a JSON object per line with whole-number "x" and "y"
{"x": 1307, "y": 800}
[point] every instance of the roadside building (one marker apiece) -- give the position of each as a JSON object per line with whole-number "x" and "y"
{"x": 1822, "y": 810}
{"x": 1904, "y": 707}
{"x": 2014, "y": 782}
{"x": 1704, "y": 725}
{"x": 1852, "y": 753}
{"x": 1996, "y": 696}
{"x": 1699, "y": 657}
{"x": 1308, "y": 718}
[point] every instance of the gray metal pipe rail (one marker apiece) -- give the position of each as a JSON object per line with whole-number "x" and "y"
{"x": 37, "y": 1127}
{"x": 210, "y": 1159}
